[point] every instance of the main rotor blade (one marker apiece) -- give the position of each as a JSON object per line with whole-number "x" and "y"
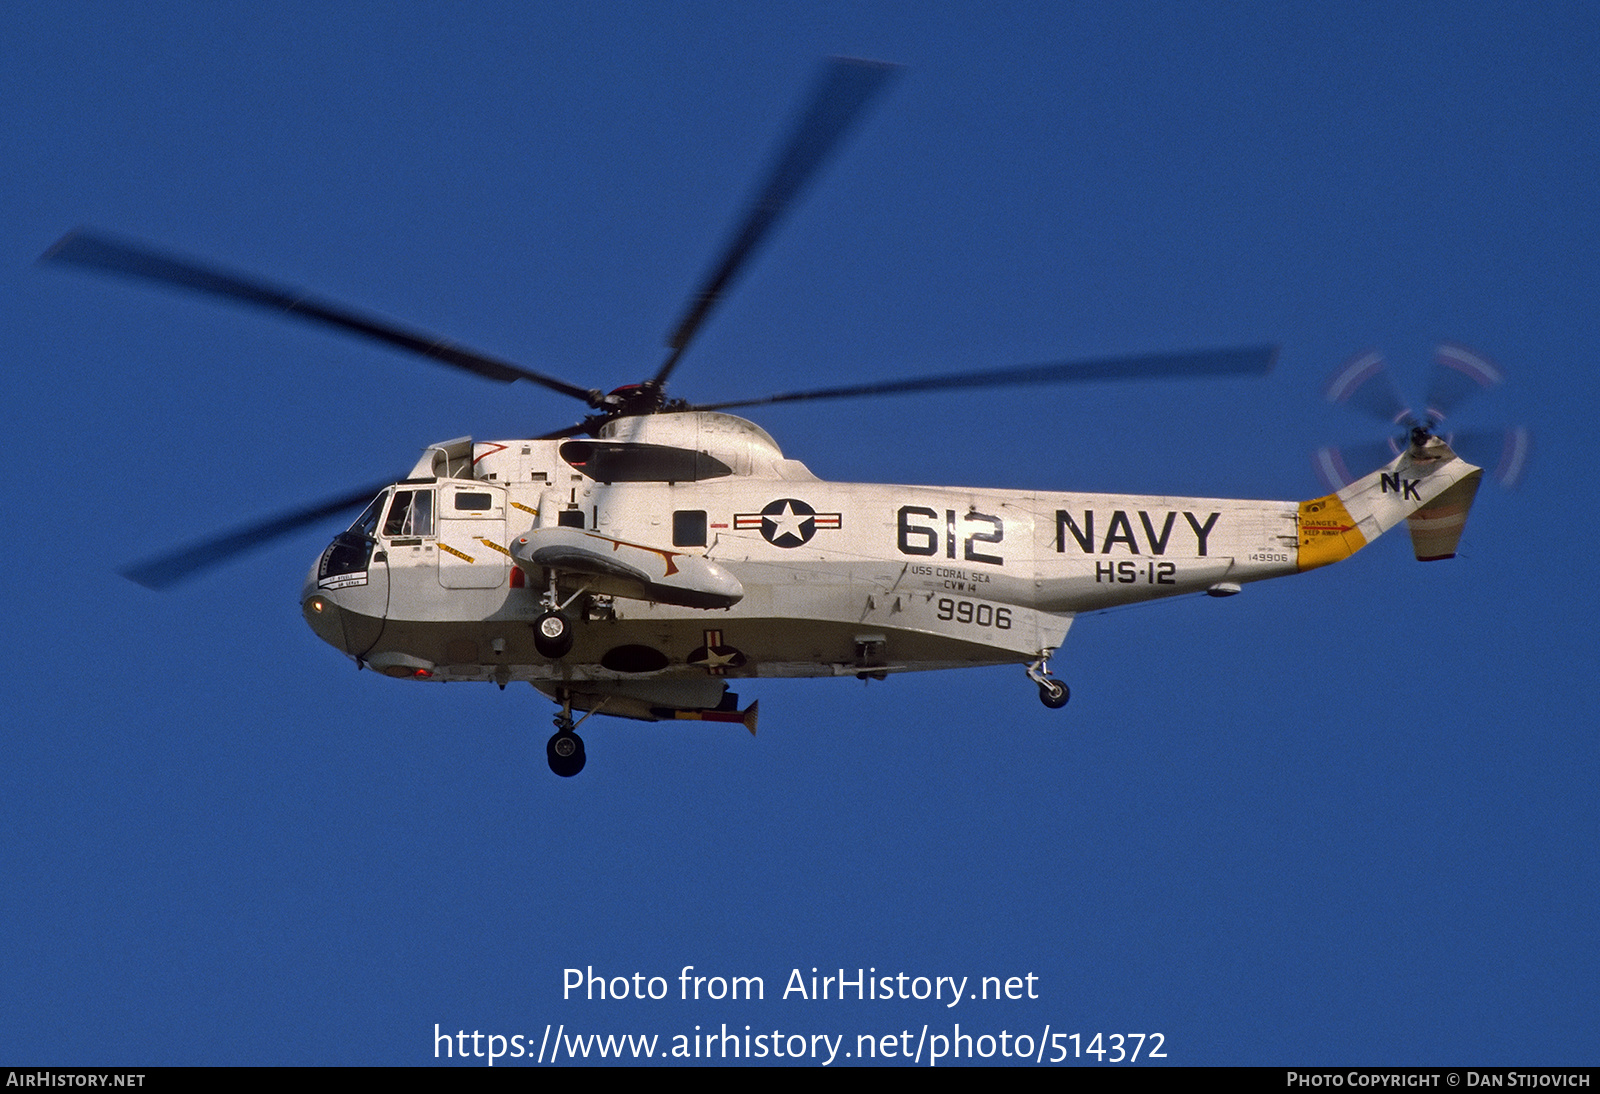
{"x": 98, "y": 252}
{"x": 842, "y": 94}
{"x": 1244, "y": 361}
{"x": 170, "y": 569}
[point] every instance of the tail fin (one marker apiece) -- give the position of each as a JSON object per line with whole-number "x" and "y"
{"x": 1427, "y": 485}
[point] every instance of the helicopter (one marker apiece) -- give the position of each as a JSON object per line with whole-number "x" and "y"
{"x": 638, "y": 562}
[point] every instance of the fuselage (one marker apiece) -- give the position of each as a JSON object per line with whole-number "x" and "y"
{"x": 833, "y": 578}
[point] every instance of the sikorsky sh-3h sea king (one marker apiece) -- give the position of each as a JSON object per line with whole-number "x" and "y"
{"x": 637, "y": 562}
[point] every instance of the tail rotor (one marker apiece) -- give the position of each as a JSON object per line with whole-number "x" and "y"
{"x": 1364, "y": 384}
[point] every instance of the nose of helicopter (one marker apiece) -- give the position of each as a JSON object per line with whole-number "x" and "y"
{"x": 321, "y": 609}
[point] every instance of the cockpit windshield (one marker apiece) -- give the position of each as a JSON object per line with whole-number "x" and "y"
{"x": 345, "y": 561}
{"x": 367, "y": 523}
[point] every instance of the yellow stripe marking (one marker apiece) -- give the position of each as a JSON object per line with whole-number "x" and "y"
{"x": 463, "y": 556}
{"x": 524, "y": 508}
{"x": 494, "y": 546}
{"x": 1328, "y": 533}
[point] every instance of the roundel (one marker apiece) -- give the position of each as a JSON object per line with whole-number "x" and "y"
{"x": 788, "y": 522}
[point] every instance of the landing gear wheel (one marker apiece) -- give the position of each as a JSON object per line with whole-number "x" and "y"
{"x": 1054, "y": 694}
{"x": 565, "y": 753}
{"x": 552, "y": 636}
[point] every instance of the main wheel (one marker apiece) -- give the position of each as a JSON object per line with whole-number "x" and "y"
{"x": 552, "y": 635}
{"x": 1054, "y": 694}
{"x": 564, "y": 750}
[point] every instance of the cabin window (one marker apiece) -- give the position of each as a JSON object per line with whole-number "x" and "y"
{"x": 411, "y": 514}
{"x": 474, "y": 502}
{"x": 689, "y": 528}
{"x": 570, "y": 518}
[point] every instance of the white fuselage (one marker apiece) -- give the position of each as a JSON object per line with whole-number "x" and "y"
{"x": 837, "y": 578}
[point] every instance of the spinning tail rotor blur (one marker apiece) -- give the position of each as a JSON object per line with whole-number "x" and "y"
{"x": 1364, "y": 384}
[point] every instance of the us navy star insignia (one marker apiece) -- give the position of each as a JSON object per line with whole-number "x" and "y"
{"x": 715, "y": 657}
{"x": 787, "y": 522}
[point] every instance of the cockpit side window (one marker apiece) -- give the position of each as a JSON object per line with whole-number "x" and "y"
{"x": 411, "y": 514}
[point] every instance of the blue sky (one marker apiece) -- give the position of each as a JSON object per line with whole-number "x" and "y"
{"x": 1347, "y": 817}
